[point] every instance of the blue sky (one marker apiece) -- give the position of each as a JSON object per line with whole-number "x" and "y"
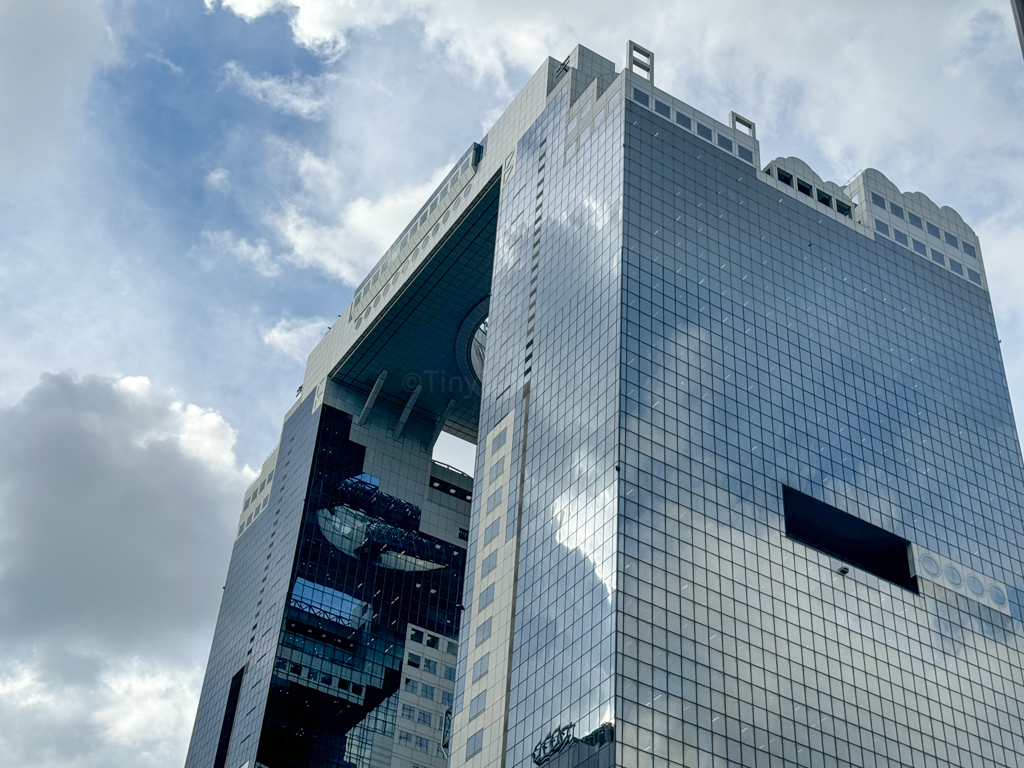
{"x": 189, "y": 193}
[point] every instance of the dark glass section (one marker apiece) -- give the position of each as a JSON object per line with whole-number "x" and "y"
{"x": 443, "y": 486}
{"x": 848, "y": 538}
{"x": 362, "y": 573}
{"x": 229, "y": 719}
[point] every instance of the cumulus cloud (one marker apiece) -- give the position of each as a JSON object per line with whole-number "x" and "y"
{"x": 299, "y": 95}
{"x": 296, "y": 337}
{"x": 117, "y": 505}
{"x": 49, "y": 50}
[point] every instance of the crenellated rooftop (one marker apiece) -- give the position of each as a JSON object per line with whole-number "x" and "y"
{"x": 872, "y": 203}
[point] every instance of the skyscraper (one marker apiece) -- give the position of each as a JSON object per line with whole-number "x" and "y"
{"x": 747, "y": 489}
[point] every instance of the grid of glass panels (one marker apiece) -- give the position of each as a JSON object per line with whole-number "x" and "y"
{"x": 764, "y": 346}
{"x": 560, "y": 222}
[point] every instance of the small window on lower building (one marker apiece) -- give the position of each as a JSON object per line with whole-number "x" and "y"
{"x": 486, "y": 598}
{"x": 477, "y": 704}
{"x": 433, "y": 641}
{"x": 704, "y": 132}
{"x": 489, "y": 564}
{"x": 414, "y": 660}
{"x": 932, "y": 229}
{"x": 951, "y": 240}
{"x": 974, "y": 275}
{"x": 405, "y": 739}
{"x": 684, "y": 121}
{"x": 914, "y": 219}
{"x": 427, "y": 691}
{"x": 425, "y": 718}
{"x": 481, "y": 666}
{"x": 969, "y": 250}
{"x": 411, "y": 686}
{"x": 429, "y": 665}
{"x": 483, "y": 631}
{"x": 844, "y": 209}
{"x": 878, "y": 200}
{"x": 919, "y": 247}
{"x": 447, "y": 698}
{"x": 475, "y": 743}
{"x": 784, "y": 176}
{"x": 897, "y": 211}
{"x": 825, "y": 198}
{"x": 900, "y": 237}
{"x": 882, "y": 227}
{"x": 744, "y": 153}
{"x": 725, "y": 143}
{"x": 449, "y": 673}
{"x": 416, "y": 636}
{"x": 956, "y": 266}
{"x": 492, "y": 531}
{"x": 641, "y": 98}
{"x": 408, "y": 712}
{"x": 803, "y": 186}
{"x": 662, "y": 108}
{"x": 938, "y": 258}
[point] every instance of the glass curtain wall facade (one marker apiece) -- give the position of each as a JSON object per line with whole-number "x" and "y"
{"x": 748, "y": 485}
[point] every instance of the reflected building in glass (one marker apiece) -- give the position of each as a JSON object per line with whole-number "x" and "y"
{"x": 748, "y": 487}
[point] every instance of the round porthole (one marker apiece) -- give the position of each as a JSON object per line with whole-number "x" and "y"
{"x": 930, "y": 565}
{"x": 996, "y": 595}
{"x": 953, "y": 576}
{"x": 478, "y": 350}
{"x": 975, "y": 586}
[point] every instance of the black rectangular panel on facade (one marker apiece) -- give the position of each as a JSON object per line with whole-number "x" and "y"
{"x": 229, "y": 719}
{"x": 848, "y": 538}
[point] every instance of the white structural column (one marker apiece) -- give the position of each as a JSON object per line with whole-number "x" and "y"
{"x": 479, "y": 730}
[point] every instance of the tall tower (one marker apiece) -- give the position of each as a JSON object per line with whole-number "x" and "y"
{"x": 747, "y": 489}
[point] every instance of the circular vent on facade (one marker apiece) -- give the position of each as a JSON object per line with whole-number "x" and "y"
{"x": 930, "y": 565}
{"x": 953, "y": 577}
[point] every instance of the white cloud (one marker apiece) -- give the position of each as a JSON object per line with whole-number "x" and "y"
{"x": 343, "y": 238}
{"x": 148, "y": 708}
{"x": 133, "y": 713}
{"x": 49, "y": 50}
{"x": 166, "y": 62}
{"x": 320, "y": 26}
{"x": 117, "y": 507}
{"x": 296, "y": 337}
{"x": 218, "y": 179}
{"x": 257, "y": 254}
{"x": 299, "y": 95}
